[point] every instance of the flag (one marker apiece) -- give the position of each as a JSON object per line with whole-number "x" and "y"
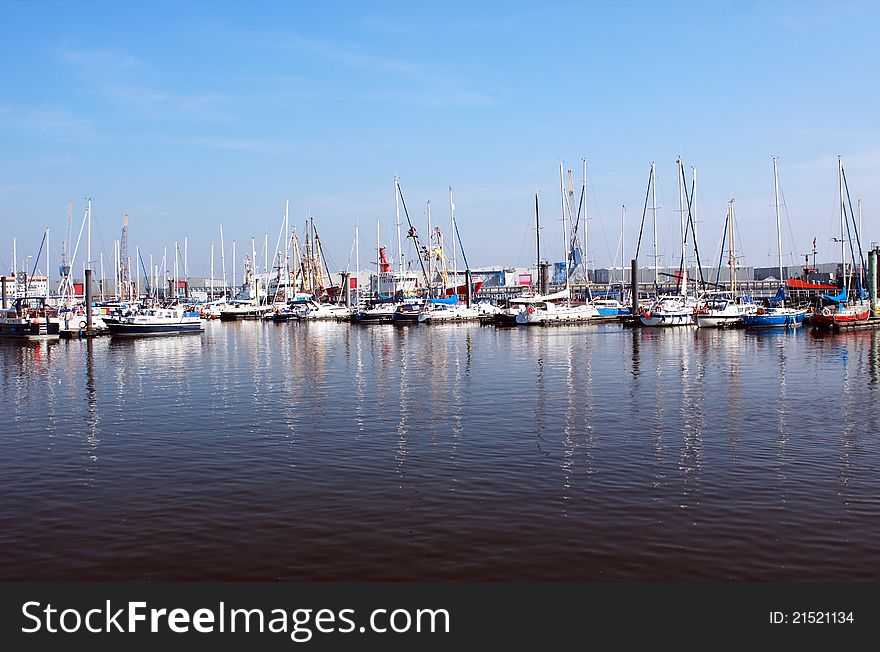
{"x": 814, "y": 242}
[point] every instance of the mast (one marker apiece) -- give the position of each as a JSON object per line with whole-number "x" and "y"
{"x": 212, "y": 272}
{"x": 564, "y": 234}
{"x": 622, "y": 245}
{"x": 731, "y": 261}
{"x": 287, "y": 296}
{"x": 654, "y": 213}
{"x": 842, "y": 219}
{"x": 681, "y": 181}
{"x": 137, "y": 274}
{"x": 88, "y": 236}
{"x": 223, "y": 261}
{"x": 233, "y": 269}
{"x": 102, "y": 276}
{"x": 357, "y": 265}
{"x": 692, "y": 217}
{"x": 176, "y": 269}
{"x": 586, "y": 247}
{"x": 452, "y": 235}
{"x": 378, "y": 258}
{"x": 397, "y": 213}
{"x": 14, "y": 261}
{"x": 165, "y": 272}
{"x": 778, "y": 223}
{"x": 538, "y": 243}
{"x": 430, "y": 253}
{"x": 254, "y": 270}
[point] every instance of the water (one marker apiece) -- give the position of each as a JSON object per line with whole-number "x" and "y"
{"x": 329, "y": 451}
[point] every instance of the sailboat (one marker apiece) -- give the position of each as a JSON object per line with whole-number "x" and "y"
{"x": 558, "y": 307}
{"x": 778, "y": 315}
{"x": 843, "y": 308}
{"x": 674, "y": 309}
{"x": 723, "y": 309}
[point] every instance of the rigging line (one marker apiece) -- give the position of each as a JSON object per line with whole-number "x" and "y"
{"x": 721, "y": 250}
{"x": 694, "y": 231}
{"x": 413, "y": 234}
{"x": 787, "y": 221}
{"x": 36, "y": 262}
{"x": 598, "y": 217}
{"x": 853, "y": 217}
{"x": 644, "y": 214}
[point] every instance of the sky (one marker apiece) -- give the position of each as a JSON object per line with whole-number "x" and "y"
{"x": 186, "y": 116}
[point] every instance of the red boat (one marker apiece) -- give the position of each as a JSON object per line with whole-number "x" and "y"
{"x": 830, "y": 316}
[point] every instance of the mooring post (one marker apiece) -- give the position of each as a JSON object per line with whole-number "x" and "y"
{"x": 634, "y": 285}
{"x": 346, "y": 285}
{"x": 468, "y": 288}
{"x": 88, "y": 301}
{"x": 872, "y": 280}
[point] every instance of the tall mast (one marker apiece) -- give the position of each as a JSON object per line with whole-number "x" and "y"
{"x": 430, "y": 253}
{"x": 378, "y": 257}
{"x": 842, "y": 219}
{"x": 681, "y": 181}
{"x": 176, "y": 269}
{"x": 357, "y": 265}
{"x": 223, "y": 262}
{"x": 286, "y": 250}
{"x": 586, "y": 243}
{"x": 89, "y": 236}
{"x": 731, "y": 260}
{"x": 538, "y": 242}
{"x": 778, "y": 223}
{"x": 692, "y": 218}
{"x": 137, "y": 274}
{"x": 102, "y": 276}
{"x": 233, "y": 269}
{"x": 564, "y": 234}
{"x": 165, "y": 271}
{"x": 397, "y": 213}
{"x": 622, "y": 243}
{"x": 452, "y": 237}
{"x": 654, "y": 213}
{"x": 212, "y": 272}
{"x": 254, "y": 269}
{"x": 14, "y": 260}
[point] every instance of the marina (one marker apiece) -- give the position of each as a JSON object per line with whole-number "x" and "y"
{"x": 599, "y": 453}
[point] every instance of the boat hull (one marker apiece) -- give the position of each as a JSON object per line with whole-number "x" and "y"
{"x": 718, "y": 321}
{"x": 770, "y": 320}
{"x": 667, "y": 319}
{"x": 154, "y": 329}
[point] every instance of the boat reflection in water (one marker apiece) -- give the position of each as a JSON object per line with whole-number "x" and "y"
{"x": 332, "y": 452}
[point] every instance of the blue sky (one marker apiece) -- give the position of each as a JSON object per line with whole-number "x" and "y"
{"x": 189, "y": 115}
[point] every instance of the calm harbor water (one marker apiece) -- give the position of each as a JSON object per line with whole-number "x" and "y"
{"x": 329, "y": 451}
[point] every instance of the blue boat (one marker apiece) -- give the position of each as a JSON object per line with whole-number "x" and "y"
{"x": 777, "y": 315}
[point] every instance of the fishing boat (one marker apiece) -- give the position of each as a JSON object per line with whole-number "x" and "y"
{"x": 156, "y": 321}
{"x": 28, "y": 319}
{"x": 778, "y": 315}
{"x": 846, "y": 307}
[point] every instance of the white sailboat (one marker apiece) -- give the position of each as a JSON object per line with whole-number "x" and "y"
{"x": 723, "y": 309}
{"x": 674, "y": 310}
{"x": 558, "y": 308}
